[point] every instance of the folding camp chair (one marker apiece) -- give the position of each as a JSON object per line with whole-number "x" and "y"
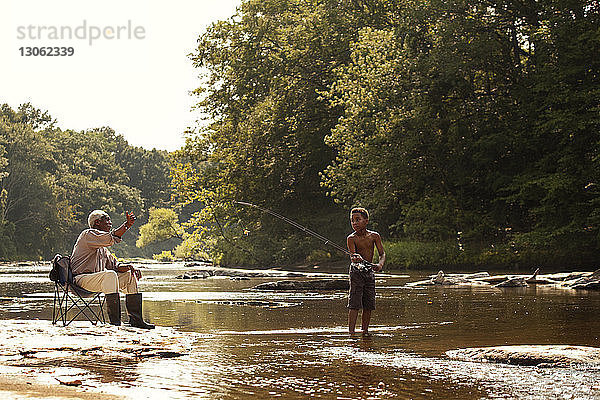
{"x": 68, "y": 296}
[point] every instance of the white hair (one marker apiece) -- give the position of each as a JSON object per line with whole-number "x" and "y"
{"x": 95, "y": 216}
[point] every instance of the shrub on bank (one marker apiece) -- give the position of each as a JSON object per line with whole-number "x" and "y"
{"x": 166, "y": 255}
{"x": 412, "y": 254}
{"x": 318, "y": 256}
{"x": 407, "y": 254}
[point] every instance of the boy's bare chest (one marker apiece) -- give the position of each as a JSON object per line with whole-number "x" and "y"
{"x": 364, "y": 243}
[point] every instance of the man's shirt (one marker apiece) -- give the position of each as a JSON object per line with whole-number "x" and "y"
{"x": 90, "y": 253}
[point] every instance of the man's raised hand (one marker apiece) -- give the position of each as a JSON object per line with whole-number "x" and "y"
{"x": 130, "y": 219}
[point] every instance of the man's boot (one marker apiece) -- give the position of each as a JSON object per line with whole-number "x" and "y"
{"x": 134, "y": 310}
{"x": 113, "y": 306}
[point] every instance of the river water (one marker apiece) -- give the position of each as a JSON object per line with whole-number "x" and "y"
{"x": 295, "y": 345}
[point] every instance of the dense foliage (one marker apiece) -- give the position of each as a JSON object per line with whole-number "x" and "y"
{"x": 470, "y": 124}
{"x": 468, "y": 128}
{"x": 268, "y": 69}
{"x": 51, "y": 179}
{"x": 481, "y": 118}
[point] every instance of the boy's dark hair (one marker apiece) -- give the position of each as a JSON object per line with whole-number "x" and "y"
{"x": 361, "y": 211}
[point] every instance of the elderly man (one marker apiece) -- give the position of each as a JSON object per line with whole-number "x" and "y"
{"x": 97, "y": 270}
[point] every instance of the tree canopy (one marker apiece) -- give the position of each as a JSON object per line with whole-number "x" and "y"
{"x": 469, "y": 129}
{"x": 51, "y": 179}
{"x": 473, "y": 123}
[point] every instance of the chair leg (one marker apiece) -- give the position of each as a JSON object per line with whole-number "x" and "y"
{"x": 64, "y": 302}
{"x": 63, "y": 312}
{"x": 84, "y": 309}
{"x": 101, "y": 301}
{"x": 58, "y": 304}
{"x": 56, "y": 294}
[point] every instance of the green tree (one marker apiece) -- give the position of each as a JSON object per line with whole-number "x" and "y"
{"x": 483, "y": 113}
{"x": 7, "y": 248}
{"x": 557, "y": 184}
{"x": 90, "y": 178}
{"x": 146, "y": 170}
{"x": 267, "y": 68}
{"x": 51, "y": 179}
{"x": 32, "y": 210}
{"x": 162, "y": 225}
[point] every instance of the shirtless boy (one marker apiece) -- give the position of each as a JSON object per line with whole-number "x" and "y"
{"x": 361, "y": 243}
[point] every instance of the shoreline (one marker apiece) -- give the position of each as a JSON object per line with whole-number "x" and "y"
{"x": 17, "y": 384}
{"x": 80, "y": 361}
{"x": 337, "y": 266}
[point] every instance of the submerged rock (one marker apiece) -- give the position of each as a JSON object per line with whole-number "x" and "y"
{"x": 255, "y": 303}
{"x": 573, "y": 280}
{"x": 589, "y": 282}
{"x": 451, "y": 279}
{"x": 208, "y": 272}
{"x": 198, "y": 275}
{"x": 40, "y": 339}
{"x": 588, "y": 286}
{"x": 317, "y": 284}
{"x": 513, "y": 282}
{"x": 530, "y": 355}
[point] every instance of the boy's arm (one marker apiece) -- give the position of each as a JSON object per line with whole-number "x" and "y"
{"x": 380, "y": 251}
{"x": 355, "y": 257}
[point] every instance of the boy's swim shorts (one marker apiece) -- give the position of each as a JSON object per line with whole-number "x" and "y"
{"x": 362, "y": 288}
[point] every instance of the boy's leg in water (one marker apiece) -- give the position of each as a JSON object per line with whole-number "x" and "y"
{"x": 368, "y": 302}
{"x": 354, "y": 298}
{"x": 352, "y": 316}
{"x": 366, "y": 319}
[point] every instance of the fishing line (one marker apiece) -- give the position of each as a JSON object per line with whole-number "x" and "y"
{"x": 302, "y": 228}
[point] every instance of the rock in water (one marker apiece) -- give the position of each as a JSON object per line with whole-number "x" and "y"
{"x": 317, "y": 284}
{"x": 439, "y": 278}
{"x": 591, "y": 282}
{"x": 530, "y": 355}
{"x": 477, "y": 275}
{"x": 513, "y": 282}
{"x": 443, "y": 279}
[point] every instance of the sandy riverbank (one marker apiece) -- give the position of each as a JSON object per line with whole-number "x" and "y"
{"x": 41, "y": 360}
{"x": 19, "y": 383}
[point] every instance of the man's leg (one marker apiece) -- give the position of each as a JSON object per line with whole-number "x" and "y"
{"x": 368, "y": 301}
{"x": 106, "y": 282}
{"x": 127, "y": 282}
{"x": 133, "y": 300}
{"x": 103, "y": 281}
{"x": 352, "y": 316}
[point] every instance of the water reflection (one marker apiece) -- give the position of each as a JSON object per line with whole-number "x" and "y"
{"x": 294, "y": 344}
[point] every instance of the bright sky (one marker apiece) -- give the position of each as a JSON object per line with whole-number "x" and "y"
{"x": 139, "y": 86}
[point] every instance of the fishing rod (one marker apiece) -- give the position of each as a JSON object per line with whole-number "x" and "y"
{"x": 302, "y": 228}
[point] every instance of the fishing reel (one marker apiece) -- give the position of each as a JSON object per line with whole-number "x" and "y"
{"x": 364, "y": 266}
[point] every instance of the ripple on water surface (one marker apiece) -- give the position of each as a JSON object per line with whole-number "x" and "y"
{"x": 498, "y": 379}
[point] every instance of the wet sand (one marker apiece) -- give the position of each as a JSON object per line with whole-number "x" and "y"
{"x": 41, "y": 360}
{"x": 18, "y": 384}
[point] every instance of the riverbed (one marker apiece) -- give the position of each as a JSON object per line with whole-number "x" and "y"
{"x": 294, "y": 345}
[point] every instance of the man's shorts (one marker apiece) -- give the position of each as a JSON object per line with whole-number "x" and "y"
{"x": 362, "y": 289}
